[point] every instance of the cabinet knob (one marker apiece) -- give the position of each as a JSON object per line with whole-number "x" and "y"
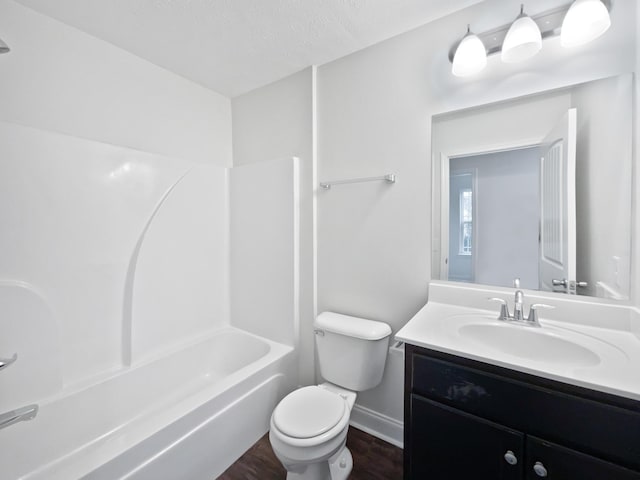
{"x": 510, "y": 458}
{"x": 539, "y": 469}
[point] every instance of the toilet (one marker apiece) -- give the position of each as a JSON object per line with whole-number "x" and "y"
{"x": 309, "y": 426}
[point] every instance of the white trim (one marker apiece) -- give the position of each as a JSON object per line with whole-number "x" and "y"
{"x": 472, "y": 151}
{"x": 314, "y": 183}
{"x": 444, "y": 216}
{"x": 296, "y": 251}
{"x": 380, "y": 426}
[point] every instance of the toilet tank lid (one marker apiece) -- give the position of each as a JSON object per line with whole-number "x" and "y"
{"x": 352, "y": 326}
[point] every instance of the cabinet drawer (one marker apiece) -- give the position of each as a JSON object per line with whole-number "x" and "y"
{"x": 602, "y": 430}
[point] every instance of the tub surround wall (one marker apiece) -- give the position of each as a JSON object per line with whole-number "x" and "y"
{"x": 179, "y": 277}
{"x": 275, "y": 122}
{"x": 74, "y": 211}
{"x": 91, "y": 139}
{"x": 264, "y": 249}
{"x": 374, "y": 117}
{"x": 28, "y": 326}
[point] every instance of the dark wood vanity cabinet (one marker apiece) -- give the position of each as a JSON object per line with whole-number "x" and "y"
{"x": 470, "y": 420}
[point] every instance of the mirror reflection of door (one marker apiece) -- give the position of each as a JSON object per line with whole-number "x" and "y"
{"x": 558, "y": 206}
{"x": 505, "y": 217}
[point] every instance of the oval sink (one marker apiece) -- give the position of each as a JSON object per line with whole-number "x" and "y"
{"x": 530, "y": 343}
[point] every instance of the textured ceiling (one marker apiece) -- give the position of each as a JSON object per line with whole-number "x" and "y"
{"x": 233, "y": 46}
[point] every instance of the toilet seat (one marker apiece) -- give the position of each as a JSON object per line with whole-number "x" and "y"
{"x": 308, "y": 412}
{"x": 317, "y": 394}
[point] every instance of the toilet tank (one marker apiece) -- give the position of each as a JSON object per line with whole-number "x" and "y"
{"x": 352, "y": 351}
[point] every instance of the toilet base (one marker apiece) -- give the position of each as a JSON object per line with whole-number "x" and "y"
{"x": 338, "y": 467}
{"x": 340, "y": 464}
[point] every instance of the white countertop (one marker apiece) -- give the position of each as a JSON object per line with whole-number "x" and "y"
{"x": 612, "y": 333}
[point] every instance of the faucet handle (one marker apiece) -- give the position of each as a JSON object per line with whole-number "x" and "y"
{"x": 504, "y": 307}
{"x": 533, "y": 312}
{"x": 5, "y": 362}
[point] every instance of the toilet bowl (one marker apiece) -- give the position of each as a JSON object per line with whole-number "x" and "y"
{"x": 308, "y": 432}
{"x": 309, "y": 426}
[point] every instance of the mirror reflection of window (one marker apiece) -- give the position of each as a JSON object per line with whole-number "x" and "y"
{"x": 461, "y": 231}
{"x": 466, "y": 221}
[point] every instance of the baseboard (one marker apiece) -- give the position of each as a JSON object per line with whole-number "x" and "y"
{"x": 385, "y": 428}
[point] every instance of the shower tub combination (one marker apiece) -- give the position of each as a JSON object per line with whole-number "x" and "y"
{"x": 187, "y": 415}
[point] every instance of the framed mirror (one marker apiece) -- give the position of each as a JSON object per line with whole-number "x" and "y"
{"x": 538, "y": 189}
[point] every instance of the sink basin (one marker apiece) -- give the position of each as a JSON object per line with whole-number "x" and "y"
{"x": 529, "y": 342}
{"x": 591, "y": 345}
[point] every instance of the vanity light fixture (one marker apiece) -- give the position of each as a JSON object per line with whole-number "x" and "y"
{"x": 470, "y": 55}
{"x": 523, "y": 39}
{"x": 576, "y": 23}
{"x": 585, "y": 21}
{"x": 3, "y": 47}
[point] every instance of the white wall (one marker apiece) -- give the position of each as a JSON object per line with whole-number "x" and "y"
{"x": 374, "y": 117}
{"x": 60, "y": 79}
{"x": 603, "y": 182}
{"x": 91, "y": 140}
{"x": 276, "y": 122}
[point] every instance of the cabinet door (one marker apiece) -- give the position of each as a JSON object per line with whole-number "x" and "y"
{"x": 447, "y": 444}
{"x": 560, "y": 463}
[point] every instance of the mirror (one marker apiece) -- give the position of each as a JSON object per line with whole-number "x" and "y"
{"x": 537, "y": 188}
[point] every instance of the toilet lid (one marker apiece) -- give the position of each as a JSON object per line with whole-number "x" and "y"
{"x": 308, "y": 412}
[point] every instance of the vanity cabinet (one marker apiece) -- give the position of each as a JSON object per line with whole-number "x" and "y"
{"x": 466, "y": 419}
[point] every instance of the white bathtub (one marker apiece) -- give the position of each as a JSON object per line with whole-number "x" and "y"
{"x": 186, "y": 415}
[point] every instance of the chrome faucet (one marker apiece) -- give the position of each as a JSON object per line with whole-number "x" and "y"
{"x": 504, "y": 309}
{"x": 5, "y": 362}
{"x": 532, "y": 319}
{"x": 19, "y": 415}
{"x": 518, "y": 308}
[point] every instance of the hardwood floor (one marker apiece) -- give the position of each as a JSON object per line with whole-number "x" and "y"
{"x": 373, "y": 459}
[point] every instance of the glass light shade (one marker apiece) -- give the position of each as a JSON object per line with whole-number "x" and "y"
{"x": 470, "y": 57}
{"x": 523, "y": 40}
{"x": 585, "y": 21}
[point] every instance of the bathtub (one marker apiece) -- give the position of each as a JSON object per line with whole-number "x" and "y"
{"x": 187, "y": 414}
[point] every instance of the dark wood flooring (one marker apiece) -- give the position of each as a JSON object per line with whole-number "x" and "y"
{"x": 373, "y": 459}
